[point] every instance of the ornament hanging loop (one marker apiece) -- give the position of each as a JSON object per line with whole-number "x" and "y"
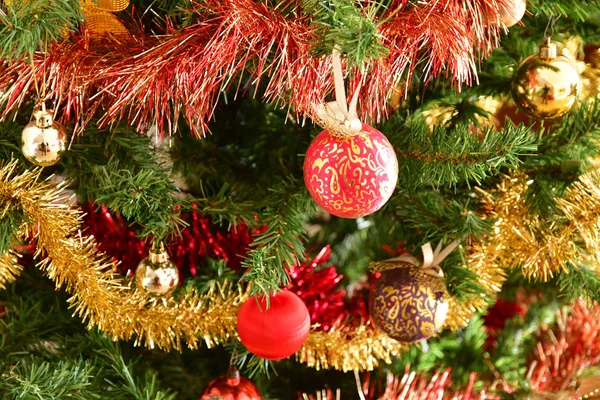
{"x": 431, "y": 258}
{"x": 337, "y": 116}
{"x": 550, "y": 25}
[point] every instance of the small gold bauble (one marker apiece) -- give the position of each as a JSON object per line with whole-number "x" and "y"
{"x": 43, "y": 139}
{"x": 511, "y": 11}
{"x": 156, "y": 274}
{"x": 546, "y": 85}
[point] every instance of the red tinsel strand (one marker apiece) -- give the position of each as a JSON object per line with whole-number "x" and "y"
{"x": 424, "y": 387}
{"x": 200, "y": 240}
{"x": 563, "y": 353}
{"x": 328, "y": 304}
{"x": 148, "y": 80}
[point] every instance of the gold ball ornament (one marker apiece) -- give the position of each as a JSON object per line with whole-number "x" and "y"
{"x": 511, "y": 11}
{"x": 156, "y": 274}
{"x": 546, "y": 85}
{"x": 43, "y": 139}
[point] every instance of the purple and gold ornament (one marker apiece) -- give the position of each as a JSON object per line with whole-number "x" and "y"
{"x": 409, "y": 301}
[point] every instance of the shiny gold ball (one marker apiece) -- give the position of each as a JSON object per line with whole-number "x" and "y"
{"x": 156, "y": 274}
{"x": 43, "y": 139}
{"x": 511, "y": 11}
{"x": 546, "y": 85}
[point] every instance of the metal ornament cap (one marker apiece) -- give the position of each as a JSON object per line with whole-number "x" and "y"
{"x": 546, "y": 85}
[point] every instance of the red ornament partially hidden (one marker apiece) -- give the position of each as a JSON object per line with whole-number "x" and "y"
{"x": 231, "y": 387}
{"x": 351, "y": 176}
{"x": 277, "y": 332}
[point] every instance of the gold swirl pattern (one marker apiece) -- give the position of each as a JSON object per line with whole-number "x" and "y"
{"x": 408, "y": 304}
{"x": 351, "y": 176}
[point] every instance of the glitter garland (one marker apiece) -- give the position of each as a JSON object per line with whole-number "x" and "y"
{"x": 101, "y": 298}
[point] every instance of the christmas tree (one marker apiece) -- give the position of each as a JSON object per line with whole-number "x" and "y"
{"x": 316, "y": 199}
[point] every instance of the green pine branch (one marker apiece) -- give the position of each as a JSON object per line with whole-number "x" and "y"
{"x": 47, "y": 354}
{"x": 10, "y": 221}
{"x": 281, "y": 244}
{"x": 144, "y": 197}
{"x": 348, "y": 25}
{"x": 30, "y": 26}
{"x": 564, "y": 153}
{"x": 579, "y": 281}
{"x": 579, "y": 10}
{"x": 123, "y": 171}
{"x": 445, "y": 157}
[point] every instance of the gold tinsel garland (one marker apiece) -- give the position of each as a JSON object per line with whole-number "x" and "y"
{"x": 543, "y": 247}
{"x": 102, "y": 299}
{"x": 490, "y": 276}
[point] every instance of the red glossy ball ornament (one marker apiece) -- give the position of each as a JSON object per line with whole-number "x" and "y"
{"x": 351, "y": 176}
{"x": 277, "y": 332}
{"x": 231, "y": 387}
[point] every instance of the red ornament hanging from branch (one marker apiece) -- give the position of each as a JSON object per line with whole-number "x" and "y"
{"x": 350, "y": 169}
{"x": 231, "y": 387}
{"x": 275, "y": 332}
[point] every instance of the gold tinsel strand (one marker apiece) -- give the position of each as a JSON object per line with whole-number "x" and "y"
{"x": 490, "y": 276}
{"x": 524, "y": 240}
{"x": 9, "y": 268}
{"x": 361, "y": 348}
{"x": 581, "y": 209}
{"x": 104, "y": 299}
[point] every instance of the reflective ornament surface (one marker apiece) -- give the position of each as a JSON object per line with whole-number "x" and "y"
{"x": 511, "y": 11}
{"x": 43, "y": 140}
{"x": 546, "y": 85}
{"x": 231, "y": 387}
{"x": 276, "y": 332}
{"x": 408, "y": 304}
{"x": 156, "y": 274}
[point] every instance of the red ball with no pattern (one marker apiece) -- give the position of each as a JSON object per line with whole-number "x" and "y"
{"x": 353, "y": 176}
{"x": 277, "y": 332}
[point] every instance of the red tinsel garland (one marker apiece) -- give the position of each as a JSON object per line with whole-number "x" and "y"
{"x": 328, "y": 305}
{"x": 200, "y": 240}
{"x": 564, "y": 352}
{"x": 151, "y": 80}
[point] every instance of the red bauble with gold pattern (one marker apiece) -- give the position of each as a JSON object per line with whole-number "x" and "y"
{"x": 231, "y": 387}
{"x": 351, "y": 176}
{"x": 275, "y": 332}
